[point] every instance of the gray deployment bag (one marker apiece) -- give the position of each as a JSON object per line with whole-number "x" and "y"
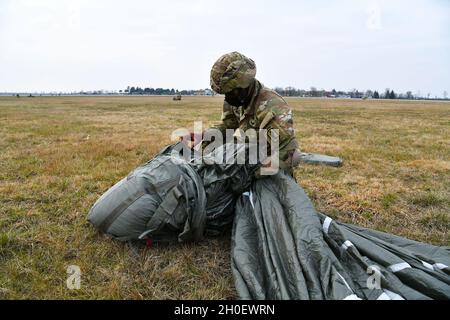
{"x": 163, "y": 200}
{"x": 175, "y": 198}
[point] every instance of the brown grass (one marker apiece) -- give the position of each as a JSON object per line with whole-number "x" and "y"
{"x": 59, "y": 154}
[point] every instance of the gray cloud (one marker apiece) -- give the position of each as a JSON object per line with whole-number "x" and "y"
{"x": 74, "y": 45}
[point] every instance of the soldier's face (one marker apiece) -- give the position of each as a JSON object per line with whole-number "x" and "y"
{"x": 236, "y": 97}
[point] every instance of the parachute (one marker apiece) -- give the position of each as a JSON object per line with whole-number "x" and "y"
{"x": 282, "y": 248}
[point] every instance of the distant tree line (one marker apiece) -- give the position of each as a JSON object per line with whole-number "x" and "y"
{"x": 291, "y": 92}
{"x": 157, "y": 91}
{"x": 163, "y": 91}
{"x": 355, "y": 93}
{"x": 288, "y": 92}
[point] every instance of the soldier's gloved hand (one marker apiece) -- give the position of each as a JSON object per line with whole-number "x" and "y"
{"x": 196, "y": 138}
{"x": 192, "y": 139}
{"x": 296, "y": 158}
{"x": 187, "y": 137}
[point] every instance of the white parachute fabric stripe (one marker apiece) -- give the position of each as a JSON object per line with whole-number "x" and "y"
{"x": 352, "y": 297}
{"x": 427, "y": 265}
{"x": 346, "y": 245}
{"x": 384, "y": 296}
{"x": 393, "y": 295}
{"x": 249, "y": 194}
{"x": 440, "y": 266}
{"x": 326, "y": 224}
{"x": 399, "y": 266}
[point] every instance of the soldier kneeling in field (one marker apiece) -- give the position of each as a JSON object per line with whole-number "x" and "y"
{"x": 250, "y": 105}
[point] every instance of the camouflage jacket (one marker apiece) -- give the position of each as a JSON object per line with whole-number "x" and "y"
{"x": 266, "y": 110}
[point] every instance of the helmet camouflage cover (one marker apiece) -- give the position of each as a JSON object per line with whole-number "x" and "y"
{"x": 232, "y": 70}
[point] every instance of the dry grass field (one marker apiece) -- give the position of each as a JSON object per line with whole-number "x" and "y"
{"x": 59, "y": 154}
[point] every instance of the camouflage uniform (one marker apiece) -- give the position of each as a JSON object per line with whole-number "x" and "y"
{"x": 266, "y": 110}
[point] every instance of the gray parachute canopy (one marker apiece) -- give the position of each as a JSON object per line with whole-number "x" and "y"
{"x": 281, "y": 247}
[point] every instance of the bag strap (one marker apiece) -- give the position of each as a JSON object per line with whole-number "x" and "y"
{"x": 165, "y": 209}
{"x": 109, "y": 220}
{"x": 150, "y": 189}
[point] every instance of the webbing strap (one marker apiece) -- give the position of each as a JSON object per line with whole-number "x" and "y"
{"x": 165, "y": 209}
{"x": 157, "y": 187}
{"x": 104, "y": 226}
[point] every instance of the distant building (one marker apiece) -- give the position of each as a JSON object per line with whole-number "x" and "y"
{"x": 199, "y": 92}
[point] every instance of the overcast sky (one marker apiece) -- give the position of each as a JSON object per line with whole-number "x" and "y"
{"x": 66, "y": 45}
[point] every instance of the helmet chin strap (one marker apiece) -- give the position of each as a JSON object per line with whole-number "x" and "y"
{"x": 250, "y": 90}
